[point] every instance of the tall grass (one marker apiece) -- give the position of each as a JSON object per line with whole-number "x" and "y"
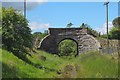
{"x": 100, "y": 66}
{"x": 13, "y": 67}
{"x": 89, "y": 65}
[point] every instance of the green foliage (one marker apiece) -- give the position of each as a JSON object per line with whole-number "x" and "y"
{"x": 115, "y": 33}
{"x": 86, "y": 26}
{"x": 116, "y": 22}
{"x": 104, "y": 36}
{"x": 67, "y": 48}
{"x": 69, "y": 25}
{"x": 16, "y": 35}
{"x": 0, "y": 28}
{"x": 89, "y": 65}
{"x": 13, "y": 67}
{"x": 90, "y": 30}
{"x": 99, "y": 65}
{"x": 38, "y": 36}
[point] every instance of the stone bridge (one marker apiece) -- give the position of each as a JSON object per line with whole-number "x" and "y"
{"x": 83, "y": 39}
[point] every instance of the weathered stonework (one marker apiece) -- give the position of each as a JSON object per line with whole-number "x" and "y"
{"x": 114, "y": 46}
{"x": 84, "y": 41}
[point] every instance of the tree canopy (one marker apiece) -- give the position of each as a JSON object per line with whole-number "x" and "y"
{"x": 115, "y": 31}
{"x": 16, "y": 35}
{"x": 69, "y": 25}
{"x": 116, "y": 22}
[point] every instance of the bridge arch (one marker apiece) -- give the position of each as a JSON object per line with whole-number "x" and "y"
{"x": 84, "y": 40}
{"x": 77, "y": 52}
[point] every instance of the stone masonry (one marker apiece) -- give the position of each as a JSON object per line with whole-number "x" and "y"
{"x": 84, "y": 41}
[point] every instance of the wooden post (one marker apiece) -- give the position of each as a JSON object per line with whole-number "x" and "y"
{"x": 107, "y": 24}
{"x": 25, "y": 8}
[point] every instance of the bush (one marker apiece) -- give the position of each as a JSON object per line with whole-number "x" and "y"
{"x": 67, "y": 48}
{"x": 115, "y": 33}
{"x": 16, "y": 35}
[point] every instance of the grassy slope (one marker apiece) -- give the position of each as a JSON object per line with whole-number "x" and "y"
{"x": 91, "y": 64}
{"x": 14, "y": 67}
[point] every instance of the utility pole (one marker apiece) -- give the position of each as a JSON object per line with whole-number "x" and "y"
{"x": 107, "y": 23}
{"x": 25, "y": 8}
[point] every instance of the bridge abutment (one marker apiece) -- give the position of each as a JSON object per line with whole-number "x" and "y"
{"x": 84, "y": 41}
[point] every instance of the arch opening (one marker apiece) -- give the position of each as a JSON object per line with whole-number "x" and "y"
{"x": 68, "y": 47}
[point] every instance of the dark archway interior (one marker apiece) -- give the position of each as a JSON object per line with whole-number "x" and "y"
{"x": 68, "y": 47}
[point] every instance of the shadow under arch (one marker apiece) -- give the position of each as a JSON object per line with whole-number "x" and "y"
{"x": 71, "y": 40}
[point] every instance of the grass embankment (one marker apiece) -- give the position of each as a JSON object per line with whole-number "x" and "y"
{"x": 91, "y": 64}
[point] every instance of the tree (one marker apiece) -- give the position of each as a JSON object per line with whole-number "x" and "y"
{"x": 69, "y": 25}
{"x": 116, "y": 22}
{"x": 89, "y": 30}
{"x": 115, "y": 33}
{"x": 16, "y": 35}
{"x": 86, "y": 26}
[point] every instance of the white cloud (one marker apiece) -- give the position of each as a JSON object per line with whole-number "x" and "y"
{"x": 103, "y": 29}
{"x": 20, "y": 5}
{"x": 36, "y": 26}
